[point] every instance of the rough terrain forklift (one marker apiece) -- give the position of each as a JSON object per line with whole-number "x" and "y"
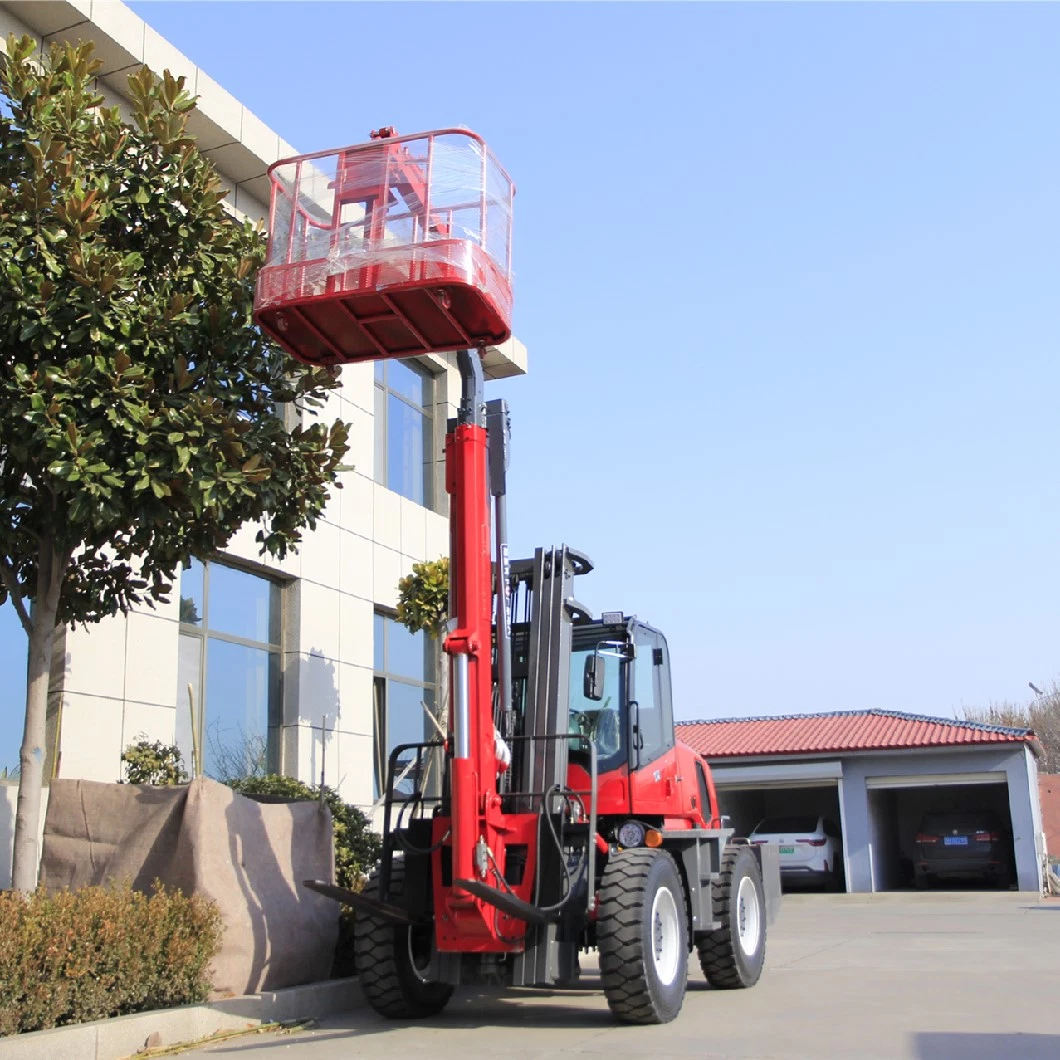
{"x": 558, "y": 813}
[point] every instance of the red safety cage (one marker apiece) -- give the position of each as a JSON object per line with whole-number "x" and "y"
{"x": 393, "y": 248}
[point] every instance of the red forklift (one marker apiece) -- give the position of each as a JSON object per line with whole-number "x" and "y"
{"x": 558, "y": 813}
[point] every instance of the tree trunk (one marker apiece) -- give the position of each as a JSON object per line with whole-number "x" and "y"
{"x": 50, "y": 573}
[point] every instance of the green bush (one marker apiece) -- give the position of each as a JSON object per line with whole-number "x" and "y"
{"x": 356, "y": 845}
{"x": 74, "y": 956}
{"x": 153, "y": 763}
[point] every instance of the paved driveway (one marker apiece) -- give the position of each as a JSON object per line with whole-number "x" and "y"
{"x": 927, "y": 976}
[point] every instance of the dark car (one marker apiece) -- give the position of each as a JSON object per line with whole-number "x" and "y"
{"x": 961, "y": 844}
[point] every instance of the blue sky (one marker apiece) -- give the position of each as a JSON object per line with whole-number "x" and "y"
{"x": 789, "y": 280}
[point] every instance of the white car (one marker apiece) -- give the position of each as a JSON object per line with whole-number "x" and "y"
{"x": 811, "y": 848}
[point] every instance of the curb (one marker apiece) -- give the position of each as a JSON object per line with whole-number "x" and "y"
{"x": 123, "y": 1036}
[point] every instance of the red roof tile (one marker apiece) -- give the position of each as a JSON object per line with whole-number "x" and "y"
{"x": 862, "y": 730}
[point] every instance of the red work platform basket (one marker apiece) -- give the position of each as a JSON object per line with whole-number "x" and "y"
{"x": 397, "y": 247}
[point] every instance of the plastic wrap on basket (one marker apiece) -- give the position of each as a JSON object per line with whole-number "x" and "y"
{"x": 393, "y": 248}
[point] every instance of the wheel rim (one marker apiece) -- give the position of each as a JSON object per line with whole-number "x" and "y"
{"x": 665, "y": 941}
{"x": 419, "y": 953}
{"x": 748, "y": 916}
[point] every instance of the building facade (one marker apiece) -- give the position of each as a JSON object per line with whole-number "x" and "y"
{"x": 296, "y": 664}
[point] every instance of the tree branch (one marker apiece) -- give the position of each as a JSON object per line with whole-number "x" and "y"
{"x": 14, "y": 592}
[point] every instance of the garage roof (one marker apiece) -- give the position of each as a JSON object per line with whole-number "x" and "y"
{"x": 851, "y": 730}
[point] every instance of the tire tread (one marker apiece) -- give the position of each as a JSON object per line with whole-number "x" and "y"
{"x": 619, "y": 936}
{"x": 376, "y": 955}
{"x": 717, "y": 949}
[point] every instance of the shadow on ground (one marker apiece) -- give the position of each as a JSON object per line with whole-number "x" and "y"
{"x": 944, "y": 1046}
{"x": 469, "y": 1010}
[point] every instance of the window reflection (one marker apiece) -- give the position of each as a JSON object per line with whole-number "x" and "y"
{"x": 237, "y": 697}
{"x": 190, "y": 715}
{"x": 406, "y": 653}
{"x": 403, "y": 432}
{"x": 241, "y": 604}
{"x": 191, "y": 594}
{"x": 229, "y": 658}
{"x": 404, "y": 692}
{"x": 405, "y": 458}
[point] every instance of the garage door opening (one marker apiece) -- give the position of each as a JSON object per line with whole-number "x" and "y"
{"x": 945, "y": 809}
{"x": 747, "y": 806}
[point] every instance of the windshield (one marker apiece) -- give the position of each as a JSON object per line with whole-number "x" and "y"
{"x": 959, "y": 822}
{"x": 599, "y": 721}
{"x": 786, "y": 825}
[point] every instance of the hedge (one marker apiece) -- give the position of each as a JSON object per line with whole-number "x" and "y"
{"x": 73, "y": 956}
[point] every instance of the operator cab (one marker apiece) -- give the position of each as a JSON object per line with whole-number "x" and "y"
{"x": 620, "y": 693}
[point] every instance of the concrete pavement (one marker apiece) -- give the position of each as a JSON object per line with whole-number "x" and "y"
{"x": 936, "y": 976}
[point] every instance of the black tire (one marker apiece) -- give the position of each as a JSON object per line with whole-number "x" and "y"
{"x": 642, "y": 936}
{"x": 732, "y": 957}
{"x": 383, "y": 953}
{"x": 836, "y": 882}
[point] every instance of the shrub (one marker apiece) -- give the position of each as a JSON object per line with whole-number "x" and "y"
{"x": 356, "y": 845}
{"x": 423, "y": 597}
{"x": 74, "y": 956}
{"x": 153, "y": 763}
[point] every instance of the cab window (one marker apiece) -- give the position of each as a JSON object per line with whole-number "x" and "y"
{"x": 654, "y": 714}
{"x": 598, "y": 721}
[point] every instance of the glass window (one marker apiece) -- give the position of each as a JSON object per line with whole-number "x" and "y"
{"x": 653, "y": 721}
{"x": 783, "y": 825}
{"x": 404, "y": 691}
{"x": 241, "y": 604}
{"x": 598, "y": 720}
{"x": 13, "y": 656}
{"x": 403, "y": 429}
{"x": 228, "y": 670}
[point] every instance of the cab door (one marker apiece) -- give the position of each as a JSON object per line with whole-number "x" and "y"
{"x": 655, "y": 781}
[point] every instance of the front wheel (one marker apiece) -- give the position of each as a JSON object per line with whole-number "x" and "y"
{"x": 642, "y": 935}
{"x": 733, "y": 955}
{"x": 390, "y": 958}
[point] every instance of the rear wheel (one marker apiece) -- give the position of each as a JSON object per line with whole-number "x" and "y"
{"x": 391, "y": 958}
{"x": 732, "y": 956}
{"x": 642, "y": 935}
{"x": 835, "y": 882}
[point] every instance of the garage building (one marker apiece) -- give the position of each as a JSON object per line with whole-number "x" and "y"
{"x": 876, "y": 773}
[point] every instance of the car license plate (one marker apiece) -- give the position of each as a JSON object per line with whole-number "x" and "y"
{"x": 787, "y": 850}
{"x": 955, "y": 840}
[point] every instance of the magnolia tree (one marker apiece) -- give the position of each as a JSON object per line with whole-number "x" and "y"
{"x": 423, "y": 597}
{"x": 143, "y": 413}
